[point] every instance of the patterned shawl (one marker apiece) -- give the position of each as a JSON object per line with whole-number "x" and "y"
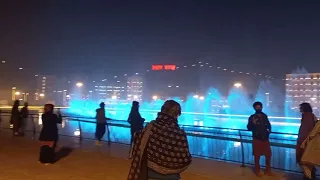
{"x": 162, "y": 146}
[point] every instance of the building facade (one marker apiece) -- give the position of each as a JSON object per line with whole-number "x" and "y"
{"x": 45, "y": 87}
{"x": 135, "y": 88}
{"x": 302, "y": 88}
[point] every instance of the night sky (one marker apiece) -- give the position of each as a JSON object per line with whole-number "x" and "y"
{"x": 91, "y": 37}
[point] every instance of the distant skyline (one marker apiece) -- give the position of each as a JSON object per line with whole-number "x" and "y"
{"x": 111, "y": 37}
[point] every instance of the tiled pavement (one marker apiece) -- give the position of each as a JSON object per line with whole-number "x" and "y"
{"x": 18, "y": 161}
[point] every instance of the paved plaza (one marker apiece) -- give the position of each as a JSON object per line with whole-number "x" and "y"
{"x": 85, "y": 161}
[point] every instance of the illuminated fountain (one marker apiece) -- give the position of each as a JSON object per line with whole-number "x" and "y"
{"x": 211, "y": 109}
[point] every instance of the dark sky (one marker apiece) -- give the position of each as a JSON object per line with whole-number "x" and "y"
{"x": 88, "y": 36}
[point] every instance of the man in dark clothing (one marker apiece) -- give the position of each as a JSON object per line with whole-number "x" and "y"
{"x": 101, "y": 124}
{"x": 260, "y": 126}
{"x": 24, "y": 118}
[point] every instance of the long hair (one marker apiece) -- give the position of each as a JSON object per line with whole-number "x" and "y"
{"x": 306, "y": 107}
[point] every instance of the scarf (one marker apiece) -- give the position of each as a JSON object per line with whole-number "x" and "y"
{"x": 311, "y": 151}
{"x": 162, "y": 146}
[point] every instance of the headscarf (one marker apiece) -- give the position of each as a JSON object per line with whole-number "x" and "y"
{"x": 162, "y": 146}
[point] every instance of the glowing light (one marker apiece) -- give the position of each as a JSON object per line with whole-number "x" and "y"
{"x": 17, "y": 93}
{"x": 79, "y": 84}
{"x": 237, "y": 85}
{"x": 3, "y": 62}
{"x": 236, "y": 144}
{"x": 201, "y": 98}
{"x": 114, "y": 97}
{"x": 313, "y": 98}
{"x": 11, "y": 126}
{"x": 135, "y": 97}
{"x": 154, "y": 97}
{"x": 77, "y": 132}
{"x": 20, "y": 68}
{"x": 196, "y": 96}
{"x": 41, "y": 95}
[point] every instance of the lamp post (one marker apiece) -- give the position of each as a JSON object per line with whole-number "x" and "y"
{"x": 155, "y": 97}
{"x": 237, "y": 85}
{"x": 79, "y": 84}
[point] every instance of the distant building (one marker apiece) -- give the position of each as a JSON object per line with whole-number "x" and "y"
{"x": 135, "y": 88}
{"x": 100, "y": 92}
{"x": 45, "y": 87}
{"x": 303, "y": 88}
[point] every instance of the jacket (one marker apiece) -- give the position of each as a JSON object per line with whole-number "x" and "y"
{"x": 262, "y": 128}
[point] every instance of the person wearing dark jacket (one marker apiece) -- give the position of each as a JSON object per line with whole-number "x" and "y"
{"x": 49, "y": 134}
{"x": 260, "y": 126}
{"x": 15, "y": 118}
{"x": 136, "y": 122}
{"x": 101, "y": 124}
{"x": 24, "y": 113}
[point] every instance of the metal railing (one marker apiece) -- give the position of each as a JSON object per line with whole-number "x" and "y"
{"x": 233, "y": 145}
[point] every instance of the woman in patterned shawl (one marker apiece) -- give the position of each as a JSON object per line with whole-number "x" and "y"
{"x": 161, "y": 150}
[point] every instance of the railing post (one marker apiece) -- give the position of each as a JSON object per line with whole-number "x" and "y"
{"x": 242, "y": 149}
{"x": 80, "y": 130}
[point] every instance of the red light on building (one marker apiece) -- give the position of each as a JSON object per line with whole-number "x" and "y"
{"x": 170, "y": 67}
{"x": 157, "y": 67}
{"x": 166, "y": 67}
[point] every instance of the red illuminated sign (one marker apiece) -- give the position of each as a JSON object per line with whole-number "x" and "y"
{"x": 166, "y": 67}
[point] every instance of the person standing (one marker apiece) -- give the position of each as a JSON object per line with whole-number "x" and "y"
{"x": 260, "y": 126}
{"x": 49, "y": 134}
{"x": 101, "y": 124}
{"x": 308, "y": 122}
{"x": 24, "y": 113}
{"x": 15, "y": 118}
{"x": 136, "y": 122}
{"x": 161, "y": 150}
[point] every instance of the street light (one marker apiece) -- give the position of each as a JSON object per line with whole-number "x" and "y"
{"x": 237, "y": 85}
{"x": 79, "y": 84}
{"x": 154, "y": 97}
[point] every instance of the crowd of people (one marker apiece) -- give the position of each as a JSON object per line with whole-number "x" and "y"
{"x": 159, "y": 149}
